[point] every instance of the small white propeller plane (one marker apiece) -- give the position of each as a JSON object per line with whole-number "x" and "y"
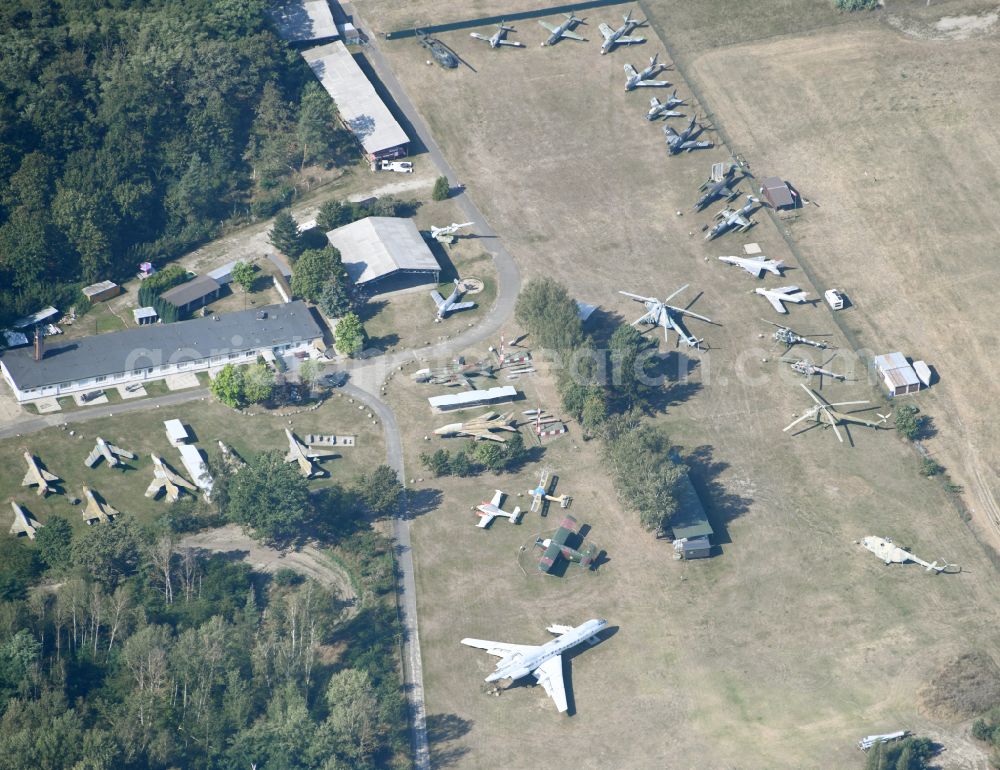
{"x": 491, "y": 510}
{"x": 446, "y": 234}
{"x": 450, "y": 305}
{"x": 635, "y": 79}
{"x": 499, "y": 38}
{"x": 544, "y": 661}
{"x": 756, "y": 265}
{"x": 777, "y": 297}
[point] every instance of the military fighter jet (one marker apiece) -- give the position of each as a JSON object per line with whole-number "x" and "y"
{"x": 667, "y": 316}
{"x": 95, "y": 510}
{"x": 823, "y": 413}
{"x": 165, "y": 479}
{"x": 777, "y": 297}
{"x": 733, "y": 219}
{"x": 563, "y": 30}
{"x": 450, "y": 305}
{"x": 685, "y": 140}
{"x": 714, "y": 189}
{"x": 556, "y": 547}
{"x": 446, "y": 234}
{"x": 756, "y": 266}
{"x": 620, "y": 36}
{"x": 487, "y": 511}
{"x": 499, "y": 38}
{"x": 658, "y": 109}
{"x": 635, "y": 79}
{"x": 24, "y": 523}
{"x": 544, "y": 661}
{"x": 37, "y": 476}
{"x": 304, "y": 456}
{"x": 458, "y": 372}
{"x": 481, "y": 427}
{"x": 109, "y": 452}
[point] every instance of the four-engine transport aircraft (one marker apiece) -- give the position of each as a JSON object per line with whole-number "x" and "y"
{"x": 756, "y": 265}
{"x": 563, "y": 30}
{"x": 37, "y": 476}
{"x": 635, "y": 79}
{"x": 620, "y": 36}
{"x": 543, "y": 661}
{"x": 499, "y": 38}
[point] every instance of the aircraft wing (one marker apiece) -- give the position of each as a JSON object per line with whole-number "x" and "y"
{"x": 461, "y": 306}
{"x": 630, "y": 40}
{"x": 630, "y": 71}
{"x": 549, "y": 558}
{"x": 606, "y": 31}
{"x": 92, "y": 458}
{"x": 550, "y": 27}
{"x": 497, "y": 498}
{"x": 29, "y": 479}
{"x": 155, "y": 486}
{"x": 438, "y": 299}
{"x": 485, "y": 519}
{"x": 122, "y": 452}
{"x": 776, "y": 303}
{"x": 566, "y": 528}
{"x": 550, "y": 676}
{"x": 500, "y": 649}
{"x": 292, "y": 455}
{"x": 314, "y": 452}
{"x": 573, "y": 35}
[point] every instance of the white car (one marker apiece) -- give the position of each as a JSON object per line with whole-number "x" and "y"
{"x": 399, "y": 166}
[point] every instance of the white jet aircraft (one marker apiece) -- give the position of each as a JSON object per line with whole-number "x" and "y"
{"x": 756, "y": 265}
{"x": 489, "y": 511}
{"x": 108, "y": 452}
{"x": 783, "y": 294}
{"x": 543, "y": 661}
{"x": 635, "y": 79}
{"x": 450, "y": 305}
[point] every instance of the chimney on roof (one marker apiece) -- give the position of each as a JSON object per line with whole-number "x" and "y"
{"x": 38, "y": 344}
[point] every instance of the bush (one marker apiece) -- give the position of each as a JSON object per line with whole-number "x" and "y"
{"x": 908, "y": 423}
{"x": 287, "y": 577}
{"x": 929, "y": 467}
{"x": 441, "y": 189}
{"x": 856, "y": 5}
{"x": 157, "y": 283}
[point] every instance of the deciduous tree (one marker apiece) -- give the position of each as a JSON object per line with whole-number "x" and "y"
{"x": 270, "y": 499}
{"x": 349, "y": 334}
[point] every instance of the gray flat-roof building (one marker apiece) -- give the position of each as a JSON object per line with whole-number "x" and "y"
{"x": 897, "y": 374}
{"x": 303, "y": 21}
{"x": 376, "y": 248}
{"x": 155, "y": 351}
{"x": 193, "y": 294}
{"x": 690, "y": 525}
{"x": 359, "y": 106}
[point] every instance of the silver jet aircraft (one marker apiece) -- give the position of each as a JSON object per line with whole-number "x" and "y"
{"x": 499, "y": 38}
{"x": 685, "y": 140}
{"x": 620, "y": 36}
{"x": 635, "y": 79}
{"x": 543, "y": 661}
{"x": 756, "y": 266}
{"x": 733, "y": 219}
{"x": 563, "y": 30}
{"x": 450, "y": 305}
{"x": 658, "y": 109}
{"x": 667, "y": 316}
{"x": 722, "y": 188}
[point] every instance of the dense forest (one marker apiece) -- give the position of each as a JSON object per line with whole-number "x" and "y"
{"x": 131, "y": 129}
{"x": 120, "y": 647}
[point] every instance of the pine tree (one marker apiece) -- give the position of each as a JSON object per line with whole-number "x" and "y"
{"x": 285, "y": 236}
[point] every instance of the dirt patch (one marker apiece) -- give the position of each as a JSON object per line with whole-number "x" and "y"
{"x": 964, "y": 688}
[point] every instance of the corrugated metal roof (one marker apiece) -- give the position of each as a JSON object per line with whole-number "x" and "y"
{"x": 375, "y": 247}
{"x": 35, "y": 318}
{"x": 159, "y": 344}
{"x": 223, "y": 273}
{"x": 303, "y": 20}
{"x": 359, "y": 105}
{"x": 452, "y": 400}
{"x": 891, "y": 361}
{"x": 897, "y": 371}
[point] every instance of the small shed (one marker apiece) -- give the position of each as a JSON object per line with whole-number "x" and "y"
{"x": 223, "y": 274}
{"x": 777, "y": 193}
{"x": 924, "y": 373}
{"x": 99, "y": 292}
{"x": 35, "y": 319}
{"x": 350, "y": 34}
{"x": 144, "y": 315}
{"x": 176, "y": 432}
{"x": 897, "y": 374}
{"x": 193, "y": 294}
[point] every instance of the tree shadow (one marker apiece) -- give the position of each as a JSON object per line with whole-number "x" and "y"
{"x": 601, "y": 325}
{"x": 420, "y": 502}
{"x": 381, "y": 343}
{"x": 721, "y": 505}
{"x": 444, "y": 728}
{"x": 659, "y": 400}
{"x": 926, "y": 428}
{"x": 449, "y": 272}
{"x": 371, "y": 308}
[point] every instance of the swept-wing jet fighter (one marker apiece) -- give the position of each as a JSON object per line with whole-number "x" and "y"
{"x": 165, "y": 479}
{"x": 543, "y": 661}
{"x": 783, "y": 294}
{"x": 756, "y": 266}
{"x": 667, "y": 316}
{"x": 499, "y": 38}
{"x": 96, "y": 510}
{"x": 487, "y": 511}
{"x": 481, "y": 427}
{"x": 685, "y": 140}
{"x": 108, "y": 452}
{"x": 37, "y": 476}
{"x": 450, "y": 305}
{"x": 722, "y": 188}
{"x": 563, "y": 30}
{"x": 620, "y": 36}
{"x": 644, "y": 79}
{"x": 24, "y": 522}
{"x": 456, "y": 373}
{"x": 555, "y": 547}
{"x": 305, "y": 456}
{"x": 733, "y": 219}
{"x": 664, "y": 109}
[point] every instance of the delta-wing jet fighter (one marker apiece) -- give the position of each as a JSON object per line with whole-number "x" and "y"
{"x": 165, "y": 479}
{"x": 305, "y": 456}
{"x": 563, "y": 30}
{"x": 644, "y": 79}
{"x": 669, "y": 317}
{"x": 37, "y": 476}
{"x": 487, "y": 511}
{"x": 665, "y": 109}
{"x": 756, "y": 265}
{"x": 685, "y": 140}
{"x": 96, "y": 510}
{"x": 777, "y": 297}
{"x": 715, "y": 189}
{"x": 481, "y": 427}
{"x": 891, "y": 553}
{"x": 733, "y": 219}
{"x": 544, "y": 661}
{"x": 24, "y": 522}
{"x": 499, "y": 38}
{"x": 620, "y": 36}
{"x": 446, "y": 234}
{"x": 555, "y": 547}
{"x": 824, "y": 413}
{"x": 108, "y": 452}
{"x": 451, "y": 304}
